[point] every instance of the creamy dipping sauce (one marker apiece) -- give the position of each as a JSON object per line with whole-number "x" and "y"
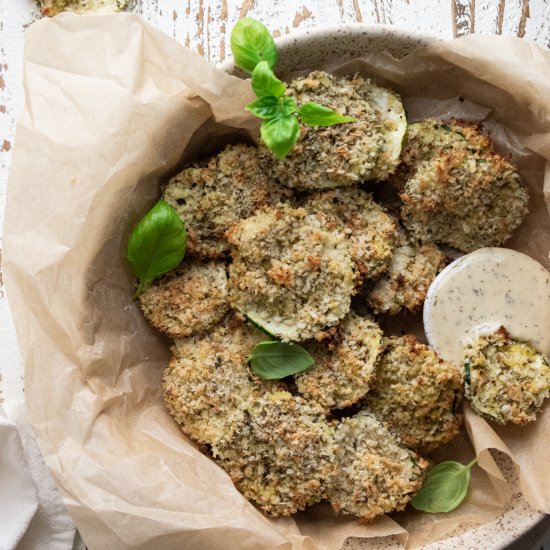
{"x": 482, "y": 291}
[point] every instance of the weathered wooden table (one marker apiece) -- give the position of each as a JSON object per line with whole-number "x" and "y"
{"x": 204, "y": 26}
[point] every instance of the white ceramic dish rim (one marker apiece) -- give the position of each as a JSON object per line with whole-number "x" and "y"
{"x": 373, "y": 32}
{"x": 406, "y": 41}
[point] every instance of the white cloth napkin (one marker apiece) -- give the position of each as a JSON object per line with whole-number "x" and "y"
{"x": 18, "y": 494}
{"x": 32, "y": 515}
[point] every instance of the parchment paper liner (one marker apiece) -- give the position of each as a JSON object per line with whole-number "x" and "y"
{"x": 111, "y": 105}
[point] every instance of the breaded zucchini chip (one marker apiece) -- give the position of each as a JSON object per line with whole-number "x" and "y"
{"x": 343, "y": 154}
{"x": 431, "y": 138}
{"x": 282, "y": 456}
{"x": 412, "y": 269}
{"x": 506, "y": 380}
{"x": 212, "y": 195}
{"x": 376, "y": 473}
{"x": 290, "y": 274}
{"x": 344, "y": 370}
{"x": 188, "y": 300}
{"x": 464, "y": 200}
{"x": 416, "y": 394}
{"x": 371, "y": 232}
{"x": 208, "y": 383}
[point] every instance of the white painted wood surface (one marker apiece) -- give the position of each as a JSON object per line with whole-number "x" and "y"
{"x": 204, "y": 26}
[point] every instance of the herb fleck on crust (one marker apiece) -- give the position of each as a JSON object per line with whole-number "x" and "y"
{"x": 282, "y": 456}
{"x": 212, "y": 195}
{"x": 344, "y": 369}
{"x": 376, "y": 473}
{"x": 188, "y": 300}
{"x": 506, "y": 380}
{"x": 290, "y": 274}
{"x": 416, "y": 394}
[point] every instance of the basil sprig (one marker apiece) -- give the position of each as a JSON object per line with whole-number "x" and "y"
{"x": 254, "y": 52}
{"x": 273, "y": 360}
{"x": 156, "y": 245}
{"x": 445, "y": 487}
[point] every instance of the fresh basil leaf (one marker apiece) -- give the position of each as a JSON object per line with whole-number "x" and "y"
{"x": 280, "y": 134}
{"x": 287, "y": 106}
{"x": 157, "y": 244}
{"x": 265, "y": 107}
{"x": 271, "y": 107}
{"x": 314, "y": 114}
{"x": 273, "y": 360}
{"x": 251, "y": 43}
{"x": 445, "y": 487}
{"x": 265, "y": 83}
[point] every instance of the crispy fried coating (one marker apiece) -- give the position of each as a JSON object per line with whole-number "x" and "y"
{"x": 430, "y": 138}
{"x": 344, "y": 369}
{"x": 371, "y": 232}
{"x": 208, "y": 383}
{"x": 416, "y": 394}
{"x": 464, "y": 201}
{"x": 506, "y": 380}
{"x": 343, "y": 154}
{"x": 282, "y": 455}
{"x": 290, "y": 274}
{"x": 376, "y": 473}
{"x": 455, "y": 189}
{"x": 412, "y": 269}
{"x": 212, "y": 195}
{"x": 188, "y": 300}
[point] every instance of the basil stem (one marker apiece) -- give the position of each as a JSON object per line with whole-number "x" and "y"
{"x": 445, "y": 487}
{"x": 156, "y": 245}
{"x": 273, "y": 360}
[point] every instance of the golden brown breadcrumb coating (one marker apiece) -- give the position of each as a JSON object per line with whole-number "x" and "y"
{"x": 344, "y": 369}
{"x": 50, "y": 8}
{"x": 290, "y": 274}
{"x": 212, "y": 195}
{"x": 343, "y": 154}
{"x": 416, "y": 394}
{"x": 376, "y": 474}
{"x": 188, "y": 300}
{"x": 208, "y": 383}
{"x": 411, "y": 272}
{"x": 464, "y": 201}
{"x": 282, "y": 455}
{"x": 430, "y": 138}
{"x": 371, "y": 232}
